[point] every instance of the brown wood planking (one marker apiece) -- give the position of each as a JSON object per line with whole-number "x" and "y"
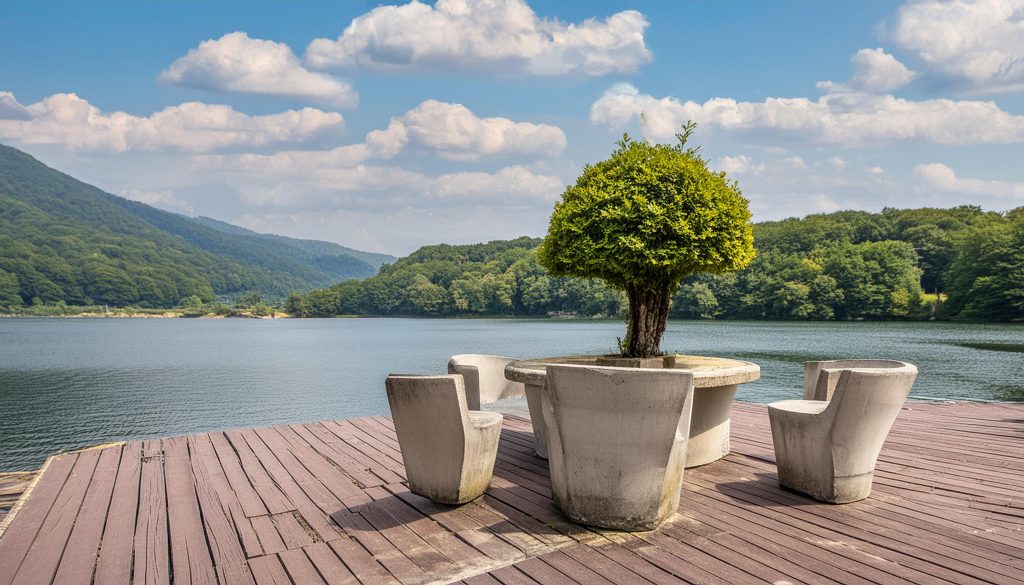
{"x": 152, "y": 550}
{"x": 937, "y": 515}
{"x": 242, "y": 488}
{"x": 43, "y": 557}
{"x": 190, "y": 556}
{"x": 114, "y": 565}
{"x": 299, "y": 568}
{"x": 230, "y": 445}
{"x": 225, "y": 541}
{"x": 22, "y": 532}
{"x": 78, "y": 562}
{"x": 330, "y": 567}
{"x": 268, "y": 570}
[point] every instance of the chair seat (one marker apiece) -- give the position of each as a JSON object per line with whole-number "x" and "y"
{"x": 482, "y": 419}
{"x": 803, "y": 406}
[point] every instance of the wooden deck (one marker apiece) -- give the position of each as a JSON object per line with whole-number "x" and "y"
{"x": 325, "y": 503}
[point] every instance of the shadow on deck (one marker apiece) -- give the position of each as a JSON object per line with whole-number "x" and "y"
{"x": 326, "y": 503}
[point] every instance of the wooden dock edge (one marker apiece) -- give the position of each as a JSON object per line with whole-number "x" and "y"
{"x": 9, "y": 517}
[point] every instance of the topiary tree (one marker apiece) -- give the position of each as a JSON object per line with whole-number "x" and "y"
{"x": 643, "y": 220}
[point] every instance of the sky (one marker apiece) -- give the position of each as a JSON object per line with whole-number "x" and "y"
{"x": 388, "y": 126}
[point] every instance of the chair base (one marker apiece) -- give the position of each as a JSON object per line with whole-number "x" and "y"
{"x": 838, "y": 490}
{"x": 610, "y": 517}
{"x": 451, "y": 499}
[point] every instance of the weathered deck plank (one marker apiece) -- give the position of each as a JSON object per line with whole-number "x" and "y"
{"x": 326, "y": 503}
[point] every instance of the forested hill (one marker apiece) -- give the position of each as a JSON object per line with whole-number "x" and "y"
{"x": 62, "y": 240}
{"x": 896, "y": 264}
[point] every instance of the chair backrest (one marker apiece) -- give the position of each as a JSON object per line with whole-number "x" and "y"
{"x": 636, "y": 420}
{"x": 430, "y": 417}
{"x": 820, "y": 378}
{"x": 863, "y": 409}
{"x": 484, "y": 377}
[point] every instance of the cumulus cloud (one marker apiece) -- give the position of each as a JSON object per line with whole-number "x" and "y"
{"x": 457, "y": 133}
{"x": 503, "y": 36}
{"x": 10, "y": 109}
{"x": 874, "y": 71}
{"x": 943, "y": 178}
{"x": 237, "y": 63}
{"x": 876, "y": 170}
{"x": 978, "y": 43}
{"x": 842, "y": 119}
{"x": 72, "y": 122}
{"x": 451, "y": 131}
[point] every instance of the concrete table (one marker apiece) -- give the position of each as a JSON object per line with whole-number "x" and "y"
{"x": 714, "y": 379}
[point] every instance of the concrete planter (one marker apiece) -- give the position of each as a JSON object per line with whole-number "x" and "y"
{"x": 715, "y": 382}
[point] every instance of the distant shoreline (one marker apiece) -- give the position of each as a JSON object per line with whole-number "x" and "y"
{"x": 143, "y": 315}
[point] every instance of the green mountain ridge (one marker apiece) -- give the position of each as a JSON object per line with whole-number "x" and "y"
{"x": 64, "y": 240}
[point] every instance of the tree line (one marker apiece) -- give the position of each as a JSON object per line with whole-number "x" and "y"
{"x": 895, "y": 264}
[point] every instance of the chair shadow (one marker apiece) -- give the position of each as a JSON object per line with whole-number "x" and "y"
{"x": 766, "y": 491}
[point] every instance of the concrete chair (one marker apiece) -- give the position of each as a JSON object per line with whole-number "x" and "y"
{"x": 448, "y": 450}
{"x": 484, "y": 376}
{"x": 820, "y": 378}
{"x": 828, "y": 449}
{"x": 617, "y": 443}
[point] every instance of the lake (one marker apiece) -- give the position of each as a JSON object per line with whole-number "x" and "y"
{"x": 72, "y": 383}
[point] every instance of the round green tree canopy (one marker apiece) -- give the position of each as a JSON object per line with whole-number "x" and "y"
{"x": 647, "y": 217}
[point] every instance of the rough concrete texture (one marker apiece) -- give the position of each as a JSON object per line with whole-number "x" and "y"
{"x": 820, "y": 378}
{"x": 616, "y": 451}
{"x": 448, "y": 450}
{"x": 828, "y": 450}
{"x": 484, "y": 376}
{"x": 709, "y": 425}
{"x": 535, "y": 402}
{"x": 715, "y": 381}
{"x": 708, "y": 372}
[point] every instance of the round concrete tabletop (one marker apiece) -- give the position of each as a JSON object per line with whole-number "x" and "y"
{"x": 708, "y": 372}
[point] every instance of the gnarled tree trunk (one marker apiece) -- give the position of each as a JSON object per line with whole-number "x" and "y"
{"x": 648, "y": 315}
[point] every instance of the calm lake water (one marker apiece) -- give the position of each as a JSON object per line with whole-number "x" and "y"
{"x": 72, "y": 383}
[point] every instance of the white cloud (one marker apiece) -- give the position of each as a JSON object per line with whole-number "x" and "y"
{"x": 979, "y": 43}
{"x": 846, "y": 119}
{"x": 874, "y": 170}
{"x": 10, "y": 109}
{"x": 796, "y": 162}
{"x": 162, "y": 199}
{"x": 503, "y": 36}
{"x": 457, "y": 133}
{"x": 836, "y": 162}
{"x": 237, "y": 63}
{"x": 941, "y": 177}
{"x": 450, "y": 130}
{"x": 70, "y": 121}
{"x": 511, "y": 185}
{"x": 738, "y": 164}
{"x": 874, "y": 71}
{"x": 822, "y": 204}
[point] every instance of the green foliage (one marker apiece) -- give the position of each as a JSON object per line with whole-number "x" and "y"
{"x": 647, "y": 217}
{"x": 820, "y": 268}
{"x": 986, "y": 280}
{"x": 248, "y": 300}
{"x": 68, "y": 241}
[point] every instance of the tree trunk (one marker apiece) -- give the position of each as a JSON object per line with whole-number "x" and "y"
{"x": 648, "y": 315}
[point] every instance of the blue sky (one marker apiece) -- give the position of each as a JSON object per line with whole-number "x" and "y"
{"x": 387, "y": 127}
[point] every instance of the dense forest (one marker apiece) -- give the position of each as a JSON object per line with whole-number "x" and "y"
{"x": 65, "y": 242}
{"x": 896, "y": 264}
